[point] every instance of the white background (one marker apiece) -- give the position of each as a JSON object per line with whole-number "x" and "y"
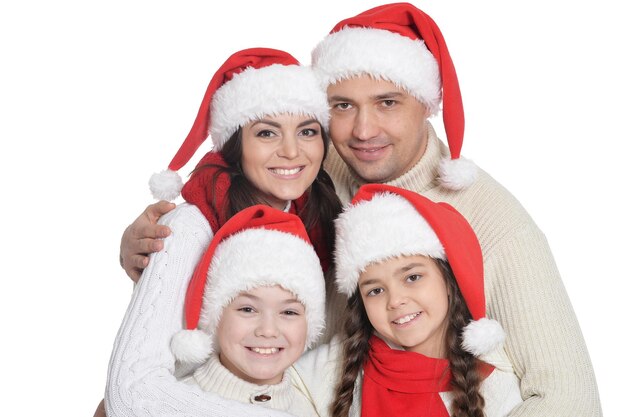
{"x": 96, "y": 96}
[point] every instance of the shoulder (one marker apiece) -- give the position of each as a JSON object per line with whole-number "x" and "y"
{"x": 185, "y": 215}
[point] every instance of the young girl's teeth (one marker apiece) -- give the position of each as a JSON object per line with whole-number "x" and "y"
{"x": 265, "y": 351}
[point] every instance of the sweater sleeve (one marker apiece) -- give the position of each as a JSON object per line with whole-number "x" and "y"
{"x": 141, "y": 379}
{"x": 544, "y": 341}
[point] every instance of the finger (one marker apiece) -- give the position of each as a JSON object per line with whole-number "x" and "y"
{"x": 156, "y": 210}
{"x": 150, "y": 231}
{"x": 134, "y": 274}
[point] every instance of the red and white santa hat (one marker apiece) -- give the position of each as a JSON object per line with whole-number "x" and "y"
{"x": 259, "y": 246}
{"x": 402, "y": 44}
{"x": 384, "y": 222}
{"x": 252, "y": 83}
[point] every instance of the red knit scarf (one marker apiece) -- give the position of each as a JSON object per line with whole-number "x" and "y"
{"x": 208, "y": 189}
{"x": 401, "y": 383}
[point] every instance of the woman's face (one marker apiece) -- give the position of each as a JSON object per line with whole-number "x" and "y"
{"x": 261, "y": 333}
{"x": 281, "y": 156}
{"x": 406, "y": 301}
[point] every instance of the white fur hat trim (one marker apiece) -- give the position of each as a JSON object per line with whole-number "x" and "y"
{"x": 371, "y": 231}
{"x": 240, "y": 264}
{"x": 165, "y": 185}
{"x": 457, "y": 174}
{"x": 383, "y": 55}
{"x": 191, "y": 346}
{"x": 482, "y": 336}
{"x": 270, "y": 90}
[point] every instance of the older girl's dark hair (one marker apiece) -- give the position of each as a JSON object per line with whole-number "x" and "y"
{"x": 322, "y": 205}
{"x": 465, "y": 376}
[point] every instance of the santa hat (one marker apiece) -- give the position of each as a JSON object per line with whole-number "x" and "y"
{"x": 259, "y": 246}
{"x": 251, "y": 83}
{"x": 402, "y": 44}
{"x": 384, "y": 222}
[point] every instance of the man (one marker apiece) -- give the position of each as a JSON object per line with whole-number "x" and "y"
{"x": 387, "y": 70}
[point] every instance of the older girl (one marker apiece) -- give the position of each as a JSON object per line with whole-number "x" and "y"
{"x": 418, "y": 342}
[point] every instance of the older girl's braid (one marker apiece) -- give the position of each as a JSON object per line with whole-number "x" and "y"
{"x": 356, "y": 348}
{"x": 467, "y": 400}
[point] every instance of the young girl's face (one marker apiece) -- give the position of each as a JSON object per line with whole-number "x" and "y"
{"x": 406, "y": 300}
{"x": 261, "y": 333}
{"x": 281, "y": 156}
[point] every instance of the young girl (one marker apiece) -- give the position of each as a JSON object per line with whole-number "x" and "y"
{"x": 266, "y": 116}
{"x": 255, "y": 302}
{"x": 418, "y": 342}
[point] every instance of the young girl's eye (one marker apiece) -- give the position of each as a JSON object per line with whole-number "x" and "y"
{"x": 291, "y": 312}
{"x": 375, "y": 291}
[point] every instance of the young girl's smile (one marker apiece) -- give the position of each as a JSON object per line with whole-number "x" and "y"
{"x": 406, "y": 301}
{"x": 261, "y": 333}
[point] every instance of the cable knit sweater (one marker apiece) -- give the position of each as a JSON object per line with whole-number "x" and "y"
{"x": 524, "y": 291}
{"x": 214, "y": 377}
{"x": 318, "y": 371}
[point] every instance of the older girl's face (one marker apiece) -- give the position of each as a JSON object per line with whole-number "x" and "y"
{"x": 406, "y": 301}
{"x": 281, "y": 156}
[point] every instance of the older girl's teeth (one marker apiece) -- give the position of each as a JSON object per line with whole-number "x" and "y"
{"x": 406, "y": 319}
{"x": 281, "y": 171}
{"x": 264, "y": 351}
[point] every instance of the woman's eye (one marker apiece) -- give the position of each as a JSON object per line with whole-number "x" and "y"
{"x": 309, "y": 132}
{"x": 265, "y": 134}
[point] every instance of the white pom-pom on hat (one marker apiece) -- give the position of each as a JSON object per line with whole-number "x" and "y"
{"x": 482, "y": 336}
{"x": 165, "y": 185}
{"x": 457, "y": 174}
{"x": 191, "y": 346}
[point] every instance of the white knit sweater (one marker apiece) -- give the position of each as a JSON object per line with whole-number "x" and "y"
{"x": 524, "y": 291}
{"x": 214, "y": 377}
{"x": 141, "y": 379}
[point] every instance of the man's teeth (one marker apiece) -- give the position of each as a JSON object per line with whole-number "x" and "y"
{"x": 264, "y": 351}
{"x": 406, "y": 319}
{"x": 281, "y": 171}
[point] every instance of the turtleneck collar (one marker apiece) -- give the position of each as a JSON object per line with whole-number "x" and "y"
{"x": 214, "y": 377}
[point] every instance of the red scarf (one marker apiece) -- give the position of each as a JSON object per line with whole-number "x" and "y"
{"x": 208, "y": 189}
{"x": 401, "y": 383}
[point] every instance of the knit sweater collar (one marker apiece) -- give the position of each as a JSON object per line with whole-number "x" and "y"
{"x": 423, "y": 175}
{"x": 214, "y": 377}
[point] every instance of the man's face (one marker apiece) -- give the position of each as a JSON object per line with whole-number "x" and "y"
{"x": 377, "y": 128}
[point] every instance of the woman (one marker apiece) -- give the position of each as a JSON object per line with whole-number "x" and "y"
{"x": 266, "y": 115}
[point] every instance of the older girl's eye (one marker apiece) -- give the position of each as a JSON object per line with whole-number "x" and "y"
{"x": 413, "y": 278}
{"x": 374, "y": 292}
